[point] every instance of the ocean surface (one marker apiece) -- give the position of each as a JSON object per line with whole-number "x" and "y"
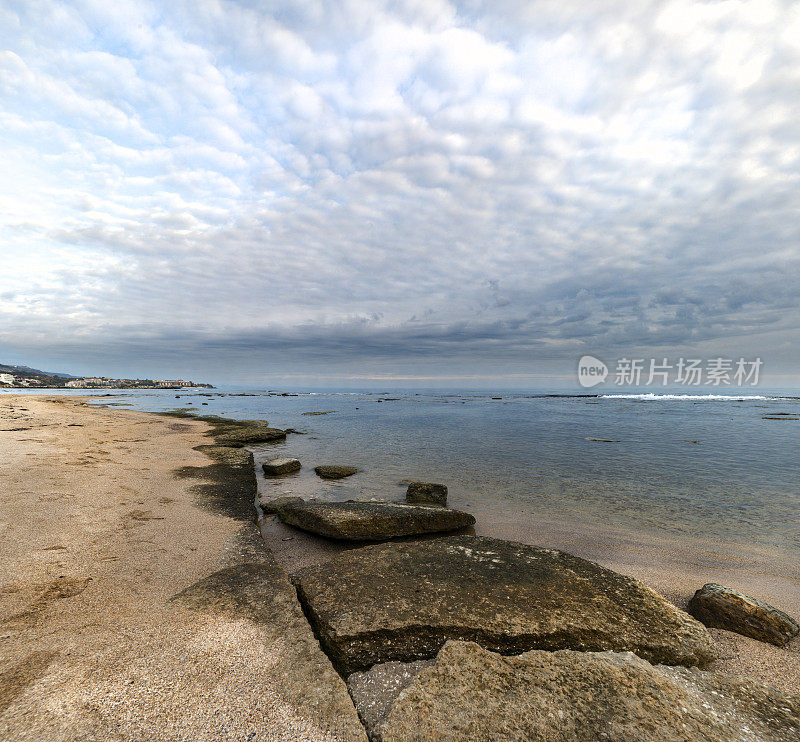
{"x": 709, "y": 468}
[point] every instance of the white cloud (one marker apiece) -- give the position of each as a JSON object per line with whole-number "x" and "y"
{"x": 509, "y": 178}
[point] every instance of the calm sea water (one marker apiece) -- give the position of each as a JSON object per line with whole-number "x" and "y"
{"x": 680, "y": 466}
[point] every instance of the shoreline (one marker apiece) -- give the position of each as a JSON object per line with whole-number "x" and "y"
{"x": 111, "y": 629}
{"x": 111, "y": 515}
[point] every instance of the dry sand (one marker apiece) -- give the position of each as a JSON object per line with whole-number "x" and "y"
{"x": 96, "y": 534}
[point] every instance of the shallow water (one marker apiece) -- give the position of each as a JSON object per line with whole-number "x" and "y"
{"x": 679, "y": 467}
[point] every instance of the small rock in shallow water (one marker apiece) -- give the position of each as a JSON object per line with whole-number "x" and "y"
{"x": 723, "y": 608}
{"x": 335, "y": 471}
{"x": 276, "y": 467}
{"x": 430, "y": 492}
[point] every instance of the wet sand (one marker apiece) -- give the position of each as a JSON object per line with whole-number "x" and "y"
{"x": 96, "y": 534}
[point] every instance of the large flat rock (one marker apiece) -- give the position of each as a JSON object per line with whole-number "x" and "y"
{"x": 371, "y": 521}
{"x": 262, "y": 594}
{"x": 470, "y": 693}
{"x": 402, "y": 601}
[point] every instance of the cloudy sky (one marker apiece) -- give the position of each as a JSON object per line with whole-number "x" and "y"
{"x": 256, "y": 191}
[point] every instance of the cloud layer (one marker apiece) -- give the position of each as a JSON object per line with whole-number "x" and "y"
{"x": 405, "y": 185}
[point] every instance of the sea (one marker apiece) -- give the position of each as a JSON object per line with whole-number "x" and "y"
{"x": 720, "y": 470}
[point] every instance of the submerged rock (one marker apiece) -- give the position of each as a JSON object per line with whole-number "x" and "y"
{"x": 261, "y": 594}
{"x": 429, "y": 492}
{"x": 474, "y": 694}
{"x": 335, "y": 471}
{"x": 276, "y": 467}
{"x": 402, "y": 601}
{"x": 372, "y": 521}
{"x": 723, "y": 608}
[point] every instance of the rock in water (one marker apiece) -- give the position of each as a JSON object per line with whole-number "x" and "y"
{"x": 473, "y": 694}
{"x": 427, "y": 492}
{"x": 335, "y": 471}
{"x": 371, "y": 521}
{"x": 723, "y": 608}
{"x": 249, "y": 435}
{"x": 275, "y": 467}
{"x": 273, "y": 505}
{"x": 262, "y": 595}
{"x": 402, "y": 601}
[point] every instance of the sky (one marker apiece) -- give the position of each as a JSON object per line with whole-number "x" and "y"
{"x": 416, "y": 191}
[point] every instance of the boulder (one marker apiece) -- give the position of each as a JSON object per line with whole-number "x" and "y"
{"x": 335, "y": 471}
{"x": 403, "y": 600}
{"x": 427, "y": 492}
{"x": 470, "y": 693}
{"x": 261, "y": 595}
{"x": 249, "y": 435}
{"x": 723, "y": 608}
{"x": 276, "y": 467}
{"x": 371, "y": 521}
{"x": 271, "y": 506}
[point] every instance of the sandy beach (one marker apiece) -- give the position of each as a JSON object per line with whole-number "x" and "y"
{"x": 108, "y": 514}
{"x": 97, "y": 534}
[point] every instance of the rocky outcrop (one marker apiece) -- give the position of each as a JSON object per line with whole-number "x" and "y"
{"x": 474, "y": 694}
{"x": 371, "y": 521}
{"x": 335, "y": 471}
{"x": 402, "y": 601}
{"x": 427, "y": 492}
{"x": 723, "y": 608}
{"x": 276, "y": 467}
{"x": 261, "y": 593}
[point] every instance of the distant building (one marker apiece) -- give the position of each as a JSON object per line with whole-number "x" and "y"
{"x": 6, "y": 379}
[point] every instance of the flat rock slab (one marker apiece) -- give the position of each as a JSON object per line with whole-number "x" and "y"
{"x": 262, "y": 594}
{"x": 723, "y": 608}
{"x": 246, "y": 436}
{"x": 402, "y": 601}
{"x": 429, "y": 492}
{"x": 372, "y": 521}
{"x": 474, "y": 694}
{"x": 276, "y": 467}
{"x": 335, "y": 471}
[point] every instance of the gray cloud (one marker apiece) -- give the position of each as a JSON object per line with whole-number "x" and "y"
{"x": 418, "y": 184}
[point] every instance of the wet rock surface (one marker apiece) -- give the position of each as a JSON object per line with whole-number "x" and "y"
{"x": 402, "y": 601}
{"x": 276, "y": 467}
{"x": 335, "y": 471}
{"x": 371, "y": 521}
{"x": 261, "y": 593}
{"x": 470, "y": 693}
{"x": 723, "y": 608}
{"x": 427, "y": 492}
